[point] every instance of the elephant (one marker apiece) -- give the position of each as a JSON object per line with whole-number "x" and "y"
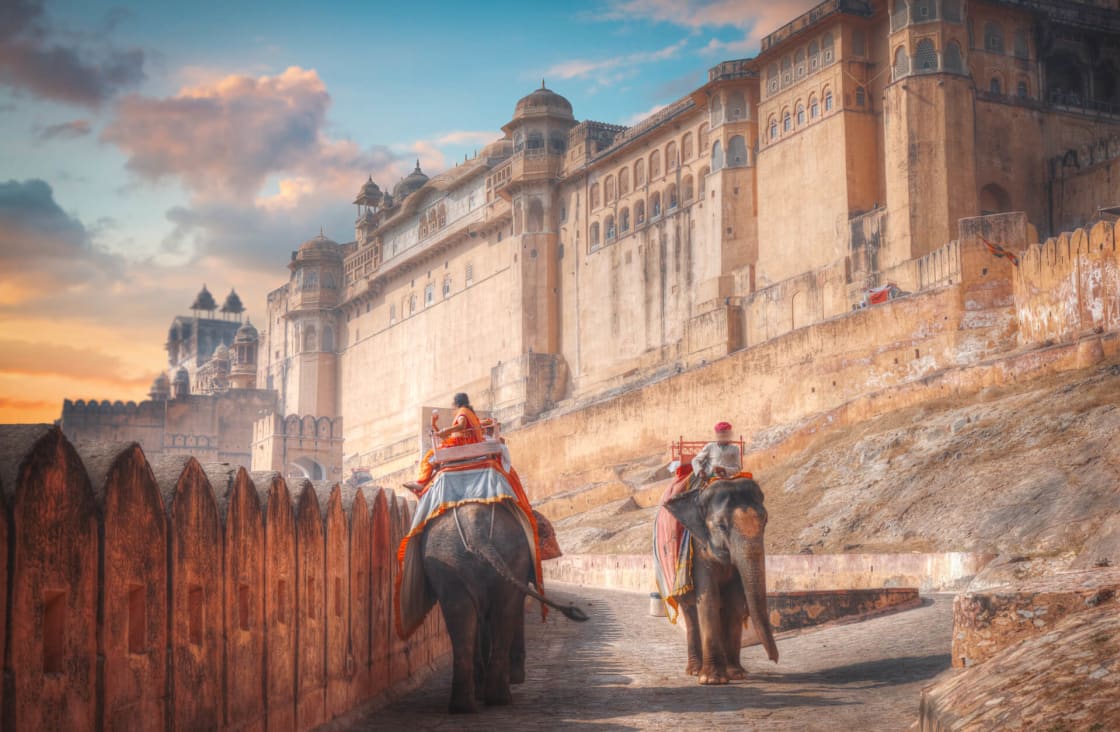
{"x": 476, "y": 562}
{"x": 726, "y": 522}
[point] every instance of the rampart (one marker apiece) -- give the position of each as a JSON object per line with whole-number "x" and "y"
{"x": 172, "y": 595}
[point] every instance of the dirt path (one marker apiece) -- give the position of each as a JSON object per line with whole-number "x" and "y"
{"x": 623, "y": 670}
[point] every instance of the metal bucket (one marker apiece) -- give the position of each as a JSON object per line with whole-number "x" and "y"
{"x": 656, "y": 605}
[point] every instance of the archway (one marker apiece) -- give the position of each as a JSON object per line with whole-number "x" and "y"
{"x": 994, "y": 199}
{"x": 309, "y": 469}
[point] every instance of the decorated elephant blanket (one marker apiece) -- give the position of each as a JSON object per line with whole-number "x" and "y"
{"x": 483, "y": 481}
{"x": 672, "y": 550}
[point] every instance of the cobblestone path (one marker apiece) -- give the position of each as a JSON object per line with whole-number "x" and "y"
{"x": 624, "y": 670}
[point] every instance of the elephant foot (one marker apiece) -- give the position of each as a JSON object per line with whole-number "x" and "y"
{"x": 713, "y": 677}
{"x": 692, "y": 668}
{"x": 517, "y": 675}
{"x": 736, "y": 673}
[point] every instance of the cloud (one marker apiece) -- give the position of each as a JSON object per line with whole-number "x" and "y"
{"x": 468, "y": 137}
{"x": 40, "y": 358}
{"x": 37, "y": 58}
{"x": 636, "y": 118}
{"x": 223, "y": 139}
{"x": 610, "y": 71}
{"x": 71, "y": 130}
{"x": 19, "y": 405}
{"x": 754, "y": 18}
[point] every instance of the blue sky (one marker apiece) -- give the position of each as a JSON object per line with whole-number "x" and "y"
{"x": 148, "y": 147}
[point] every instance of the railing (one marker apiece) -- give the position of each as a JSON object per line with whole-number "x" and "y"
{"x": 1080, "y": 14}
{"x": 825, "y": 9}
{"x": 737, "y": 69}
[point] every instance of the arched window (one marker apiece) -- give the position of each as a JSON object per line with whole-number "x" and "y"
{"x": 686, "y": 147}
{"x": 772, "y": 78}
{"x": 1022, "y": 48}
{"x": 814, "y": 107}
{"x": 655, "y": 165}
{"x": 773, "y": 128}
{"x": 608, "y": 190}
{"x": 702, "y": 137}
{"x": 787, "y": 121}
{"x": 309, "y": 343}
{"x": 447, "y": 287}
{"x": 654, "y": 205}
{"x": 687, "y": 189}
{"x": 828, "y": 100}
{"x": 717, "y": 155}
{"x": 624, "y": 221}
{"x": 736, "y": 105}
{"x": 800, "y": 114}
{"x": 925, "y": 60}
{"x": 1023, "y": 90}
{"x": 799, "y": 64}
{"x": 995, "y": 86}
{"x": 899, "y": 15}
{"x": 671, "y": 201}
{"x": 593, "y": 236}
{"x": 787, "y": 71}
{"x": 671, "y": 160}
{"x": 412, "y": 303}
{"x": 639, "y": 213}
{"x": 952, "y": 59}
{"x": 951, "y": 10}
{"x": 608, "y": 225}
{"x": 737, "y": 152}
{"x": 429, "y": 294}
{"x": 703, "y": 177}
{"x": 639, "y": 173}
{"x": 814, "y": 56}
{"x": 993, "y": 38}
{"x": 717, "y": 110}
{"x": 861, "y": 96}
{"x": 827, "y": 50}
{"x": 901, "y": 63}
{"x": 328, "y": 339}
{"x": 594, "y": 196}
{"x": 923, "y": 10}
{"x": 623, "y": 182}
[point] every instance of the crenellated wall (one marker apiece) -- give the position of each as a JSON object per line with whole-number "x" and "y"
{"x": 171, "y": 595}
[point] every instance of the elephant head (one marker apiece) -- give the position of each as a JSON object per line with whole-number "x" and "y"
{"x": 728, "y": 520}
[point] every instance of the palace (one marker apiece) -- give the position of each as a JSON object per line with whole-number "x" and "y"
{"x": 570, "y": 260}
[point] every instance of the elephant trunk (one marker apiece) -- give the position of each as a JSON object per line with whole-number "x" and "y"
{"x": 751, "y": 563}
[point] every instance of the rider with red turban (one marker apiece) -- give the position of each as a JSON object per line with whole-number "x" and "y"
{"x": 721, "y": 458}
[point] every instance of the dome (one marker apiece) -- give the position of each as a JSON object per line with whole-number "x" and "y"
{"x": 543, "y": 102}
{"x": 246, "y": 334}
{"x": 500, "y": 148}
{"x": 317, "y": 245}
{"x": 161, "y": 387}
{"x": 221, "y": 353}
{"x": 412, "y": 183}
{"x": 232, "y": 303}
{"x": 369, "y": 193}
{"x": 204, "y": 300}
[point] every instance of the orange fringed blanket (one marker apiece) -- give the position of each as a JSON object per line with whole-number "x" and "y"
{"x": 483, "y": 481}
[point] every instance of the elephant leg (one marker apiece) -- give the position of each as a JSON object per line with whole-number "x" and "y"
{"x": 501, "y": 631}
{"x": 517, "y": 649}
{"x": 692, "y": 632}
{"x": 713, "y": 670}
{"x": 461, "y": 620}
{"x": 481, "y": 653}
{"x": 734, "y": 609}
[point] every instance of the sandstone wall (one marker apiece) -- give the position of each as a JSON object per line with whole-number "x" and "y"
{"x": 173, "y": 595}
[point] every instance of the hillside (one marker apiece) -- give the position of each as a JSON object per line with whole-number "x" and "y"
{"x": 1023, "y": 471}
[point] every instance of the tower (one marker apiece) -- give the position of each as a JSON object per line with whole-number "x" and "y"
{"x": 243, "y": 373}
{"x": 315, "y": 290}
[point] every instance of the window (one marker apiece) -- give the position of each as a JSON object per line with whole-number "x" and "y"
{"x": 924, "y": 10}
{"x": 639, "y": 213}
{"x": 952, "y": 59}
{"x": 861, "y": 96}
{"x": 717, "y": 155}
{"x": 994, "y": 86}
{"x": 446, "y": 287}
{"x": 1023, "y": 90}
{"x": 671, "y": 197}
{"x": 411, "y": 304}
{"x": 787, "y": 123}
{"x": 787, "y": 71}
{"x": 827, "y": 50}
{"x": 901, "y": 63}
{"x": 624, "y": 221}
{"x": 814, "y": 107}
{"x": 900, "y": 15}
{"x": 623, "y": 182}
{"x": 926, "y": 57}
{"x": 639, "y": 173}
{"x": 814, "y": 56}
{"x": 469, "y": 274}
{"x": 993, "y": 38}
{"x": 535, "y": 141}
{"x": 828, "y": 100}
{"x": 736, "y": 152}
{"x": 654, "y": 165}
{"x": 429, "y": 294}
{"x": 687, "y": 189}
{"x": 608, "y": 190}
{"x": 686, "y": 146}
{"x": 309, "y": 338}
{"x": 593, "y": 236}
{"x": 655, "y": 205}
{"x": 800, "y": 114}
{"x": 736, "y": 105}
{"x": 608, "y": 225}
{"x": 594, "y": 195}
{"x": 772, "y": 78}
{"x": 799, "y": 64}
{"x": 716, "y": 116}
{"x": 671, "y": 160}
{"x": 773, "y": 129}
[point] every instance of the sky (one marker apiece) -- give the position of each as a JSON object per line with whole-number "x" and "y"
{"x": 149, "y": 148}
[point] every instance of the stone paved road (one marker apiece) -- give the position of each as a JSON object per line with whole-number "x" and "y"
{"x": 623, "y": 670}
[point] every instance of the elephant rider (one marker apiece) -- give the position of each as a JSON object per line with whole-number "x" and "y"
{"x": 465, "y": 429}
{"x": 719, "y": 459}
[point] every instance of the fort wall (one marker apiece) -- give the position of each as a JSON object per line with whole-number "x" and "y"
{"x": 176, "y": 595}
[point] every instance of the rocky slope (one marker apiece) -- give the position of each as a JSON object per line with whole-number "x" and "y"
{"x": 1029, "y": 471}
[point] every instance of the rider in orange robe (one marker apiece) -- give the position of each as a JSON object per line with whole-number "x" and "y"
{"x": 465, "y": 429}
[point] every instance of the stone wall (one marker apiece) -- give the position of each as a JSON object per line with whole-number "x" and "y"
{"x": 168, "y": 594}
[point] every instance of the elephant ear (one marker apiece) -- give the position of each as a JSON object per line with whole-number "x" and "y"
{"x": 692, "y": 512}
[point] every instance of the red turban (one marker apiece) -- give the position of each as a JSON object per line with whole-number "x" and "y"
{"x": 723, "y": 427}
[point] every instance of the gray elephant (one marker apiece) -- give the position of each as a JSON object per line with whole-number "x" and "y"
{"x": 476, "y": 560}
{"x": 726, "y": 521}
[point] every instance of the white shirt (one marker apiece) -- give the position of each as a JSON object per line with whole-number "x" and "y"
{"x": 715, "y": 455}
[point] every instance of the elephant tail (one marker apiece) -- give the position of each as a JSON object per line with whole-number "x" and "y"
{"x": 486, "y": 551}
